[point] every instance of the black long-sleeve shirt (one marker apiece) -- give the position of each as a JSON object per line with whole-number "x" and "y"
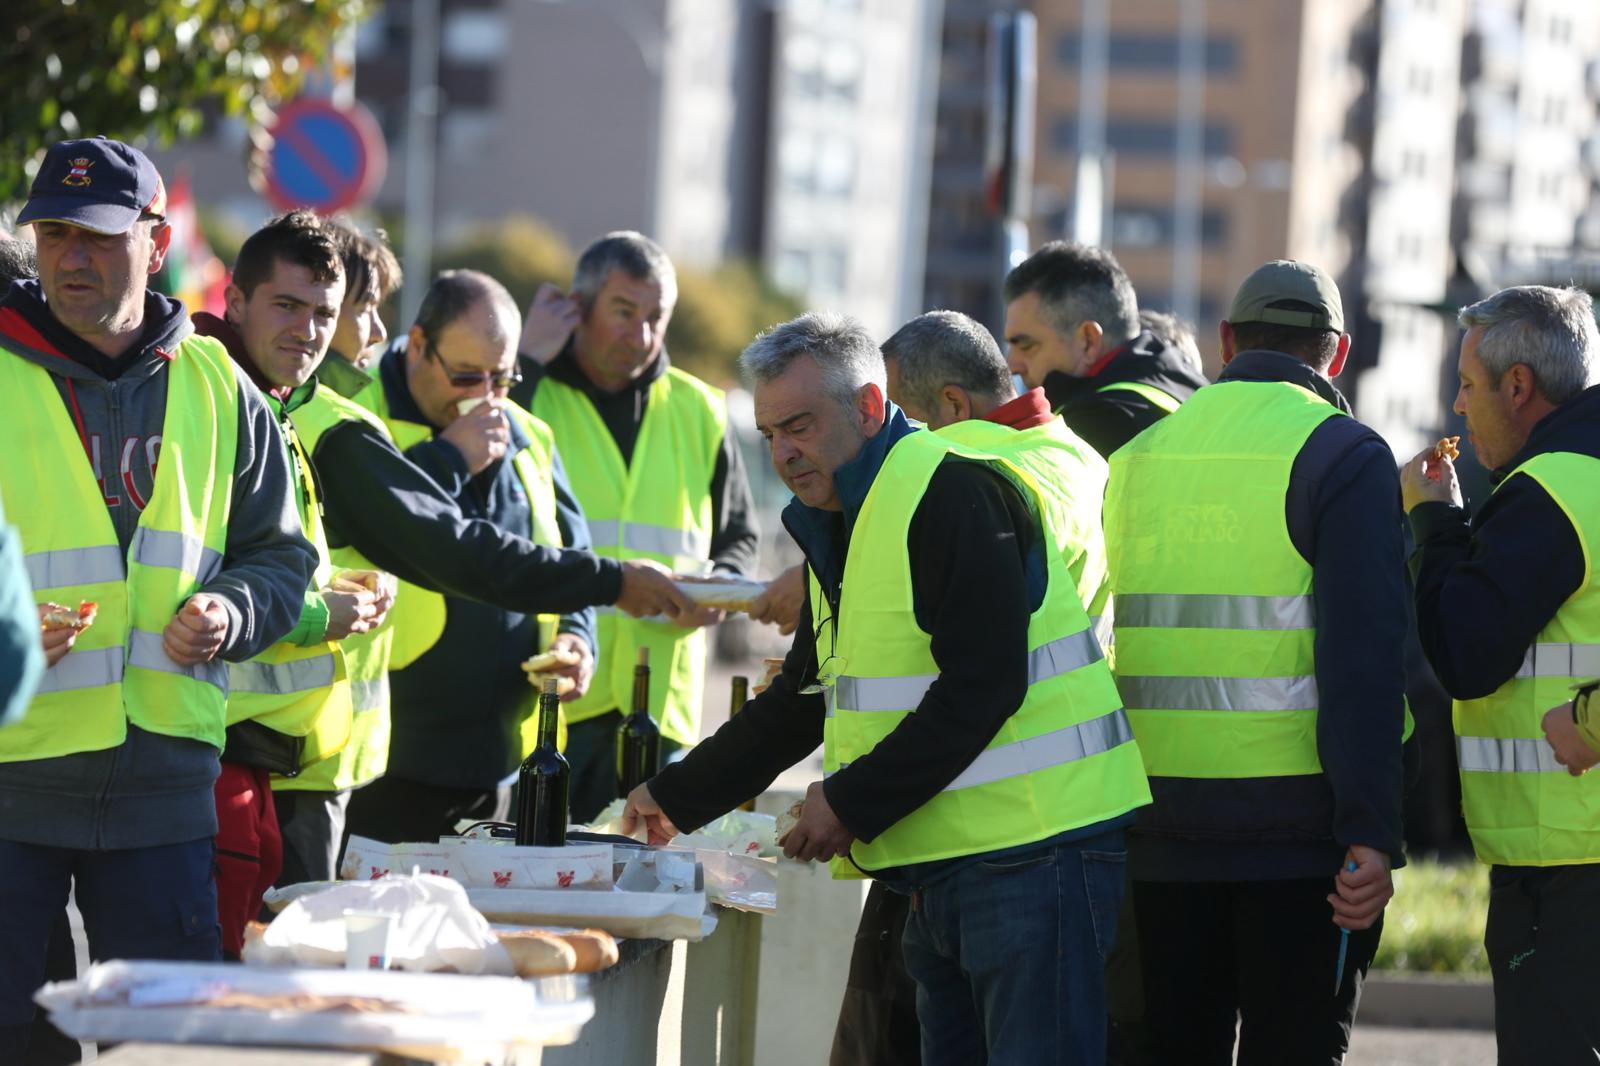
{"x": 1343, "y": 517}
{"x": 735, "y": 534}
{"x": 977, "y": 574}
{"x": 1486, "y": 585}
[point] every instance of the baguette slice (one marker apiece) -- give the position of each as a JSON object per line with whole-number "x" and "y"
{"x": 534, "y": 952}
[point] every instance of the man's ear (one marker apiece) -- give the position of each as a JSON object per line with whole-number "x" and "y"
{"x": 1336, "y": 367}
{"x": 1524, "y": 387}
{"x": 1089, "y": 337}
{"x": 233, "y": 305}
{"x": 959, "y": 403}
{"x": 870, "y": 408}
{"x": 160, "y": 240}
{"x": 416, "y": 345}
{"x": 1229, "y": 345}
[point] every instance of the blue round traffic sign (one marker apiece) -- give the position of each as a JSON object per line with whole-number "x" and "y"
{"x": 324, "y": 156}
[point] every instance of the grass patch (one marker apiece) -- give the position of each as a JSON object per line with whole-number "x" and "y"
{"x": 1434, "y": 924}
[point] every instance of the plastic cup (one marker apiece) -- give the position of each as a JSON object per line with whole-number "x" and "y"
{"x": 366, "y": 940}
{"x": 465, "y": 407}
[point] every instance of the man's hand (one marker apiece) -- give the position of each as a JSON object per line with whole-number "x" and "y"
{"x": 1429, "y": 478}
{"x": 1361, "y": 894}
{"x": 780, "y": 604}
{"x": 351, "y": 609}
{"x": 647, "y": 589}
{"x": 197, "y": 632}
{"x": 481, "y": 435}
{"x": 55, "y": 642}
{"x": 550, "y": 320}
{"x": 642, "y": 805}
{"x": 1572, "y": 751}
{"x": 581, "y": 672}
{"x": 819, "y": 835}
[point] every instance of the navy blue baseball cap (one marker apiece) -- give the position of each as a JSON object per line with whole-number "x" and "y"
{"x": 96, "y": 183}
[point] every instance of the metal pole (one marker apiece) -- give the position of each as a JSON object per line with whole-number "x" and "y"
{"x": 1088, "y": 188}
{"x": 1190, "y": 172}
{"x": 421, "y": 137}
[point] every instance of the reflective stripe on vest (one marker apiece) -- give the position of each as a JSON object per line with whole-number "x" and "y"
{"x": 1561, "y": 660}
{"x": 282, "y": 679}
{"x": 870, "y": 694}
{"x": 1507, "y": 755}
{"x": 1063, "y": 759}
{"x": 370, "y": 694}
{"x": 1219, "y": 693}
{"x": 118, "y": 671}
{"x": 1158, "y": 397}
{"x": 1521, "y": 807}
{"x": 75, "y": 566}
{"x": 655, "y": 505}
{"x": 1195, "y": 611}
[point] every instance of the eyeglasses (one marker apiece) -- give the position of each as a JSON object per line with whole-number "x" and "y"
{"x": 472, "y": 379}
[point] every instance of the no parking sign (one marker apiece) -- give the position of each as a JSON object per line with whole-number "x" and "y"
{"x": 324, "y": 156}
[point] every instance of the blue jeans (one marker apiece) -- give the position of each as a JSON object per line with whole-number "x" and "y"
{"x": 137, "y": 903}
{"x": 1009, "y": 956}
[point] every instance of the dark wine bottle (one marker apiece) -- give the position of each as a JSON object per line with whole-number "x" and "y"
{"x": 542, "y": 781}
{"x": 741, "y": 696}
{"x": 638, "y": 739}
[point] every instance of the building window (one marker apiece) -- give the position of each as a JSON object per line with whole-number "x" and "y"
{"x": 1150, "y": 52}
{"x": 1153, "y": 226}
{"x": 1144, "y": 138}
{"x": 474, "y": 36}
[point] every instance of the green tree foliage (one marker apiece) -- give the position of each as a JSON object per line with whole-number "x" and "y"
{"x": 718, "y": 312}
{"x": 136, "y": 68}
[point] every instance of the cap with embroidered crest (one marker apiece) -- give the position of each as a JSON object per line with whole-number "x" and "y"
{"x": 96, "y": 183}
{"x": 1289, "y": 293}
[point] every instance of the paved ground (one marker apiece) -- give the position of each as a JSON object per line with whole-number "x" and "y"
{"x": 1374, "y": 1045}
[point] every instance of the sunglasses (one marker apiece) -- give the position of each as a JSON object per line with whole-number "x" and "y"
{"x": 472, "y": 379}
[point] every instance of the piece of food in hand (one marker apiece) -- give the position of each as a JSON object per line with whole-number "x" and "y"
{"x": 771, "y": 668}
{"x": 1446, "y": 448}
{"x": 723, "y": 593}
{"x": 552, "y": 660}
{"x": 789, "y": 819}
{"x": 61, "y": 617}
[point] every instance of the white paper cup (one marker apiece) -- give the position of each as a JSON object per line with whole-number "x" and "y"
{"x": 366, "y": 940}
{"x": 465, "y": 407}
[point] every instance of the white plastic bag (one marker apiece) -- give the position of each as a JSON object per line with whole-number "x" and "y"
{"x": 436, "y": 928}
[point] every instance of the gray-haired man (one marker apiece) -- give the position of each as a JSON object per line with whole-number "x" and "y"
{"x": 1508, "y": 609}
{"x": 976, "y": 752}
{"x": 658, "y": 473}
{"x": 1072, "y": 328}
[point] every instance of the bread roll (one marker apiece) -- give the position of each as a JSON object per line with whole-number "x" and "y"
{"x": 534, "y": 953}
{"x": 595, "y": 948}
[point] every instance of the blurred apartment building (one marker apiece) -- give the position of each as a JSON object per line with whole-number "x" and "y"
{"x": 1422, "y": 151}
{"x": 785, "y": 132}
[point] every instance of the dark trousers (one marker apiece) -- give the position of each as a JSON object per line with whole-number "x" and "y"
{"x": 393, "y": 810}
{"x": 1543, "y": 941}
{"x": 591, "y": 751}
{"x": 878, "y": 1019}
{"x": 137, "y": 903}
{"x": 1257, "y": 954}
{"x": 312, "y": 827}
{"x": 1128, "y": 1040}
{"x": 49, "y": 1046}
{"x": 1009, "y": 956}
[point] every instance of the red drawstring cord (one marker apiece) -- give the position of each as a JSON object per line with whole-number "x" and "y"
{"x": 77, "y": 417}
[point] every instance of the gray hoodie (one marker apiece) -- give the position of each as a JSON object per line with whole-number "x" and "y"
{"x": 154, "y": 789}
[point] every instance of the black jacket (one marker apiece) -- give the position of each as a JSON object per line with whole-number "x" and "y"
{"x": 1488, "y": 585}
{"x": 1108, "y": 420}
{"x": 735, "y": 534}
{"x": 456, "y": 708}
{"x": 977, "y": 573}
{"x": 1343, "y": 515}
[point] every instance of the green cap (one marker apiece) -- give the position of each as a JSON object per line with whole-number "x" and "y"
{"x": 1284, "y": 280}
